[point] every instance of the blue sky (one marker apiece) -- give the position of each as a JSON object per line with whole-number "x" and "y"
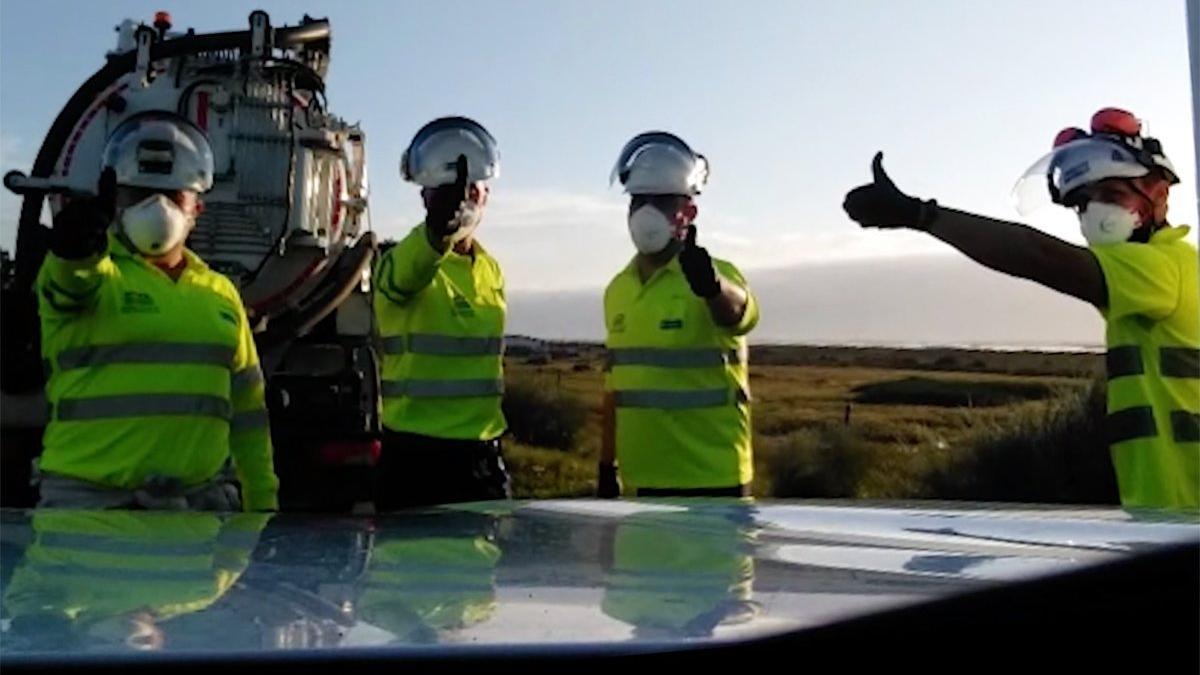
{"x": 788, "y": 99}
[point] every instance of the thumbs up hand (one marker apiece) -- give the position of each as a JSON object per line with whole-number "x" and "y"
{"x": 881, "y": 204}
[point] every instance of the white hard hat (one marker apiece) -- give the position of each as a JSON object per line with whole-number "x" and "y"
{"x": 1115, "y": 148}
{"x": 430, "y": 159}
{"x": 657, "y": 162}
{"x": 160, "y": 151}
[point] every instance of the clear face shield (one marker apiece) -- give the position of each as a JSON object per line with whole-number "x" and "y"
{"x": 1053, "y": 177}
{"x": 657, "y": 162}
{"x": 430, "y": 160}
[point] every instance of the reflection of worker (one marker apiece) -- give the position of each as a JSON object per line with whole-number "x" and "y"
{"x": 1136, "y": 269}
{"x": 96, "y": 578}
{"x": 439, "y": 304}
{"x": 154, "y": 377}
{"x": 676, "y": 406}
{"x": 423, "y": 584}
{"x": 679, "y": 575}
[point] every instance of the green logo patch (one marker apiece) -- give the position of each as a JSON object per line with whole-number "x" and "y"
{"x": 462, "y": 307}
{"x": 136, "y": 302}
{"x": 228, "y": 316}
{"x": 671, "y": 324}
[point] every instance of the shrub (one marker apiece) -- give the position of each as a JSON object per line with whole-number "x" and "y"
{"x": 542, "y": 415}
{"x": 1056, "y": 452}
{"x": 539, "y": 474}
{"x": 824, "y": 462}
{"x": 950, "y": 393}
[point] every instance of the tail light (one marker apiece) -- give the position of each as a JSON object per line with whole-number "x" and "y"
{"x": 350, "y": 453}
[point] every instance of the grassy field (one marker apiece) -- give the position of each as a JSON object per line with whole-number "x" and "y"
{"x": 867, "y": 423}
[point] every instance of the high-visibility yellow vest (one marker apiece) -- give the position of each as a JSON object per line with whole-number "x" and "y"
{"x": 1153, "y": 363}
{"x": 436, "y": 582}
{"x": 681, "y": 573}
{"x": 92, "y": 565}
{"x": 150, "y": 376}
{"x": 680, "y": 382}
{"x": 441, "y": 327}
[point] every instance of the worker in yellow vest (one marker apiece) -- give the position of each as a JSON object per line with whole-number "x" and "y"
{"x": 1137, "y": 269}
{"x": 673, "y": 574}
{"x": 423, "y": 583}
{"x": 440, "y": 310}
{"x": 154, "y": 380}
{"x": 104, "y": 579}
{"x": 676, "y": 410}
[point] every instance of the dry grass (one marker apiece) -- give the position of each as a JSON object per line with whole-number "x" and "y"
{"x": 910, "y": 433}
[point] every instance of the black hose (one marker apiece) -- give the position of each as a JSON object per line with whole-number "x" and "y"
{"x": 338, "y": 286}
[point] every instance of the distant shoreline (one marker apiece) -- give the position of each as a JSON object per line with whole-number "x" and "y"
{"x": 896, "y": 346}
{"x": 1059, "y": 361}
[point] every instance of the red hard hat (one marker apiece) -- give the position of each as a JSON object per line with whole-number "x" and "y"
{"x": 1069, "y": 134}
{"x": 1116, "y": 121}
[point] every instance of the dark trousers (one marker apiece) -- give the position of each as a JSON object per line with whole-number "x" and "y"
{"x": 735, "y": 491}
{"x": 417, "y": 470}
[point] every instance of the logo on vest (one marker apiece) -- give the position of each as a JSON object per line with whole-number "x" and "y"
{"x": 671, "y": 324}
{"x": 136, "y": 302}
{"x": 228, "y": 316}
{"x": 461, "y": 307}
{"x": 618, "y": 324}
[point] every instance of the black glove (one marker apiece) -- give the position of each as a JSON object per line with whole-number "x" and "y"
{"x": 80, "y": 227}
{"x": 446, "y": 202}
{"x": 698, "y": 267}
{"x": 607, "y": 486}
{"x": 882, "y": 204}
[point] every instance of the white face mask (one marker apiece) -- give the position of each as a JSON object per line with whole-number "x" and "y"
{"x": 155, "y": 225}
{"x": 1104, "y": 224}
{"x": 650, "y": 230}
{"x": 468, "y": 218}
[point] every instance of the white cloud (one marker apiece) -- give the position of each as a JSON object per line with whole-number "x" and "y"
{"x": 554, "y": 240}
{"x": 15, "y": 154}
{"x": 547, "y": 240}
{"x": 915, "y": 300}
{"x": 553, "y": 209}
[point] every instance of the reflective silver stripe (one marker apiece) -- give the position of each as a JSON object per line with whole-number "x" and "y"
{"x": 1180, "y": 362}
{"x": 1131, "y": 423}
{"x": 393, "y": 345}
{"x": 432, "y": 586}
{"x": 141, "y": 405}
{"x": 450, "y": 345}
{"x": 247, "y": 377}
{"x": 146, "y": 352}
{"x": 671, "y": 358}
{"x": 94, "y": 542}
{"x": 251, "y": 419}
{"x": 673, "y": 400}
{"x": 1124, "y": 361}
{"x": 442, "y": 388}
{"x": 444, "y": 345}
{"x": 123, "y": 574}
{"x": 1185, "y": 426}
